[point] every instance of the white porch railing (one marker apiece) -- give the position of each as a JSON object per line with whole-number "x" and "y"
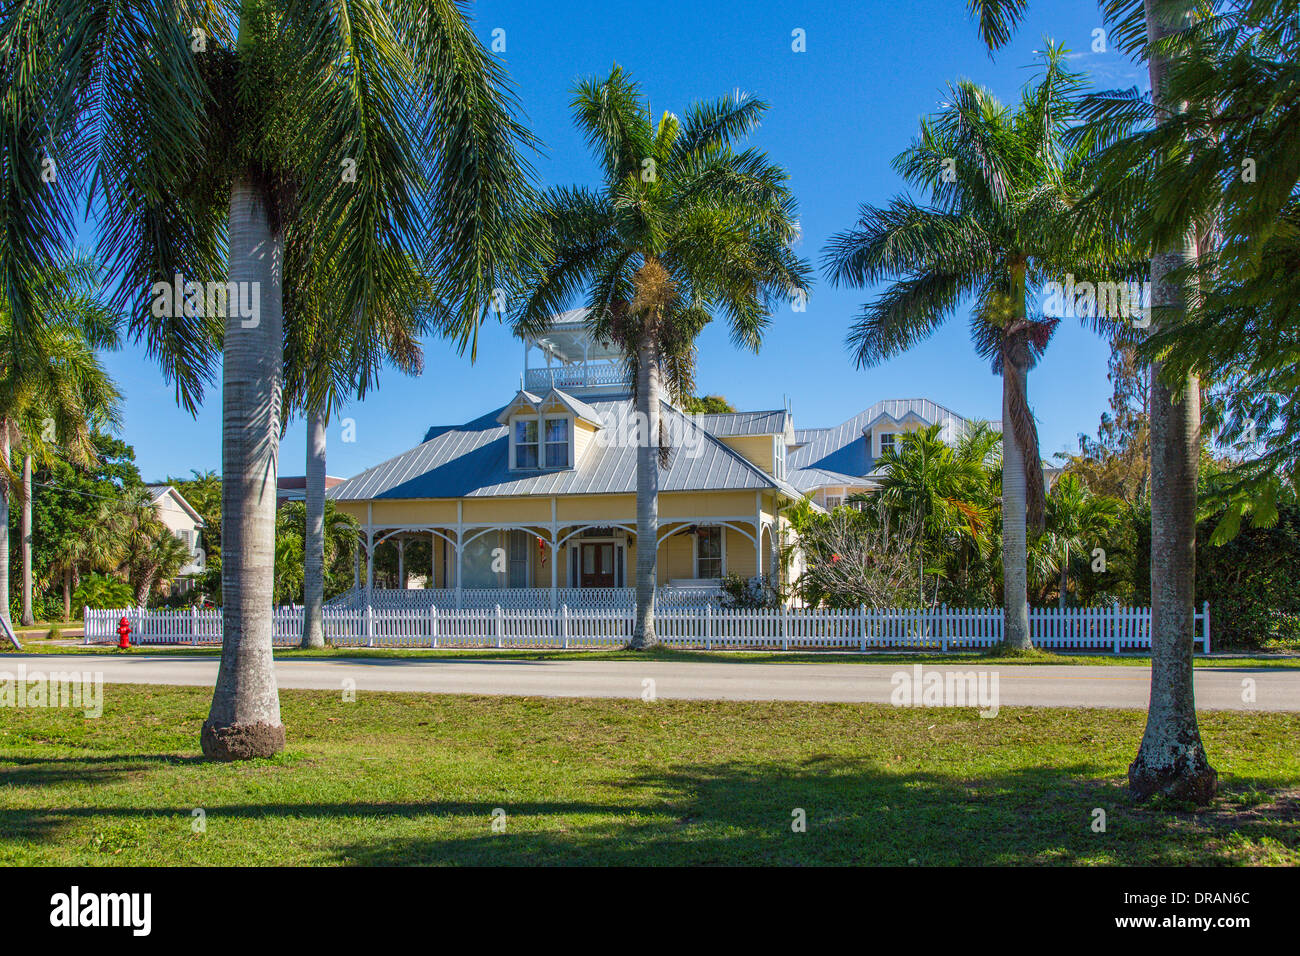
{"x": 937, "y": 629}
{"x": 520, "y": 599}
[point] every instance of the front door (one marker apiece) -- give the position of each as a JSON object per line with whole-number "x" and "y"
{"x": 598, "y": 565}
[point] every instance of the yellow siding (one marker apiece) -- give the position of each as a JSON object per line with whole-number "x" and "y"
{"x": 413, "y": 511}
{"x": 506, "y": 510}
{"x": 703, "y": 504}
{"x": 757, "y": 448}
{"x": 675, "y": 558}
{"x": 581, "y": 509}
{"x": 583, "y": 436}
{"x": 740, "y": 553}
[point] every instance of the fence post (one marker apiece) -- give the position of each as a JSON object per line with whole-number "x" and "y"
{"x": 943, "y": 628}
{"x": 85, "y": 624}
{"x": 564, "y": 624}
{"x": 499, "y": 626}
{"x": 862, "y": 627}
{"x": 1115, "y": 626}
{"x": 1206, "y": 612}
{"x": 785, "y": 628}
{"x": 433, "y": 624}
{"x": 370, "y": 625}
{"x": 708, "y": 627}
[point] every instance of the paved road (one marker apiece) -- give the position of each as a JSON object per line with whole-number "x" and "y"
{"x": 1023, "y": 685}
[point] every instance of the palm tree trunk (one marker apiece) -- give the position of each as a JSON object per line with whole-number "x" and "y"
{"x": 1065, "y": 578}
{"x": 67, "y": 594}
{"x": 313, "y": 587}
{"x": 244, "y": 720}
{"x": 647, "y": 496}
{"x": 1171, "y": 759}
{"x": 4, "y": 523}
{"x": 25, "y": 540}
{"x": 143, "y": 587}
{"x": 1015, "y": 578}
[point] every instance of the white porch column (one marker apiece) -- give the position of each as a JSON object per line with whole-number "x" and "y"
{"x": 758, "y": 534}
{"x": 370, "y": 566}
{"x": 433, "y": 560}
{"x": 401, "y": 564}
{"x": 460, "y": 544}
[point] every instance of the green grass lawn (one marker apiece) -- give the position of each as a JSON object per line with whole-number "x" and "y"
{"x": 1287, "y": 660}
{"x": 414, "y": 778}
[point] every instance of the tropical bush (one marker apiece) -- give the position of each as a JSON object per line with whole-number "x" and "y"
{"x": 103, "y": 591}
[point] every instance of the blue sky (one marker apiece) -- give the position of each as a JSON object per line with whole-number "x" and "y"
{"x": 839, "y": 113}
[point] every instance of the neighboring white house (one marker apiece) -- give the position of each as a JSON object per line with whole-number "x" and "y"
{"x": 837, "y": 462}
{"x": 183, "y": 521}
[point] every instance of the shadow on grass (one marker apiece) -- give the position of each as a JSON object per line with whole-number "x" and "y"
{"x": 856, "y": 811}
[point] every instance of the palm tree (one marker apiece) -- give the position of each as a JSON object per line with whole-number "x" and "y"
{"x": 330, "y": 359}
{"x": 1001, "y": 185}
{"x": 682, "y": 228}
{"x": 53, "y": 392}
{"x": 1171, "y": 759}
{"x": 1077, "y": 521}
{"x": 251, "y": 134}
{"x": 941, "y": 490}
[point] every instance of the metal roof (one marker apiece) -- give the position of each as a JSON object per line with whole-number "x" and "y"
{"x": 736, "y": 424}
{"x": 843, "y": 451}
{"x": 472, "y": 461}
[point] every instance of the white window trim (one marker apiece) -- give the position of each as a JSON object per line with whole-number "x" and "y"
{"x": 542, "y": 443}
{"x": 514, "y": 466}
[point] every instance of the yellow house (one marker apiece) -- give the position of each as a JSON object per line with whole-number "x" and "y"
{"x": 541, "y": 492}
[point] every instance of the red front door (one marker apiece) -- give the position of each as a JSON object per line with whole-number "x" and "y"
{"x": 597, "y": 565}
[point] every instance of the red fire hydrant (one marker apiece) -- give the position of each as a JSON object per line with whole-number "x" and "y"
{"x": 123, "y": 634}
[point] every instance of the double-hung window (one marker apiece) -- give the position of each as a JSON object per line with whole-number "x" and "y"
{"x": 557, "y": 443}
{"x": 526, "y": 443}
{"x": 708, "y": 553}
{"x": 887, "y": 441}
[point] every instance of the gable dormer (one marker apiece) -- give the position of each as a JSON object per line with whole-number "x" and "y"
{"x": 547, "y": 433}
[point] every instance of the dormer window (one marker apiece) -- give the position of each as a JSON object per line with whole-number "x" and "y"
{"x": 543, "y": 431}
{"x": 526, "y": 443}
{"x": 887, "y": 441}
{"x": 558, "y": 432}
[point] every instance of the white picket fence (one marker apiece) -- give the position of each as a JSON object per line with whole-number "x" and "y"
{"x": 938, "y": 629}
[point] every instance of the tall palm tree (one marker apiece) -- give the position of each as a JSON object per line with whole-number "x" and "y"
{"x": 53, "y": 392}
{"x": 330, "y": 359}
{"x": 682, "y": 228}
{"x": 1171, "y": 759}
{"x": 218, "y": 137}
{"x": 1001, "y": 184}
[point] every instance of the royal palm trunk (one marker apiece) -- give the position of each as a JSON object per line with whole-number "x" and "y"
{"x": 25, "y": 534}
{"x": 1015, "y": 578}
{"x": 244, "y": 720}
{"x": 1171, "y": 759}
{"x": 647, "y": 495}
{"x": 313, "y": 588}
{"x": 4, "y": 523}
